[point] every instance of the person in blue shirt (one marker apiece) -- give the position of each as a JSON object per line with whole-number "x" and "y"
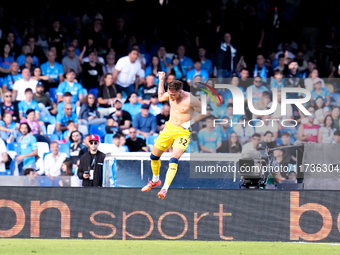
{"x": 176, "y": 69}
{"x": 29, "y": 103}
{"x": 147, "y": 90}
{"x": 154, "y": 68}
{"x": 12, "y": 77}
{"x": 219, "y": 110}
{"x": 225, "y": 129}
{"x": 64, "y": 116}
{"x": 227, "y": 95}
{"x": 25, "y": 50}
{"x": 206, "y": 63}
{"x": 67, "y": 99}
{"x": 197, "y": 71}
{"x": 144, "y": 122}
{"x": 131, "y": 105}
{"x": 233, "y": 118}
{"x": 185, "y": 61}
{"x": 257, "y": 88}
{"x": 28, "y": 147}
{"x": 53, "y": 70}
{"x": 209, "y": 138}
{"x": 165, "y": 62}
{"x": 5, "y": 58}
{"x": 75, "y": 88}
{"x": 278, "y": 81}
{"x": 318, "y": 91}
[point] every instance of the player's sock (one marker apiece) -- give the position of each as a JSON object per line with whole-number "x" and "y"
{"x": 170, "y": 174}
{"x": 155, "y": 166}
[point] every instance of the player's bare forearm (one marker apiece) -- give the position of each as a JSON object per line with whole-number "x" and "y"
{"x": 162, "y": 95}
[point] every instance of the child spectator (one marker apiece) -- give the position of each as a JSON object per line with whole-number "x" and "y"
{"x": 278, "y": 81}
{"x": 89, "y": 114}
{"x": 67, "y": 99}
{"x": 116, "y": 144}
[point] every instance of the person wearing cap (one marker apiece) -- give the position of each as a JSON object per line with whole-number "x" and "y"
{"x": 70, "y": 85}
{"x": 90, "y": 168}
{"x": 119, "y": 119}
{"x": 318, "y": 91}
{"x": 46, "y": 105}
{"x": 107, "y": 93}
{"x": 144, "y": 122}
{"x": 197, "y": 71}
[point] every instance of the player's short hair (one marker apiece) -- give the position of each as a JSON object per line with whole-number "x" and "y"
{"x": 175, "y": 85}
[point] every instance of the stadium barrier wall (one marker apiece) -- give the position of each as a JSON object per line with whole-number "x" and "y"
{"x": 128, "y": 214}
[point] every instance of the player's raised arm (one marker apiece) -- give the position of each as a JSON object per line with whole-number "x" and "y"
{"x": 162, "y": 95}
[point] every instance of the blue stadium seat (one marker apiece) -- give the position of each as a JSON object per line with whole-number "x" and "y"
{"x": 99, "y": 130}
{"x": 94, "y": 91}
{"x": 44, "y": 181}
{"x": 53, "y": 137}
{"x": 53, "y": 94}
{"x": 64, "y": 147}
{"x": 14, "y": 147}
{"x": 43, "y": 127}
{"x": 108, "y": 138}
{"x": 150, "y": 140}
{"x": 48, "y": 119}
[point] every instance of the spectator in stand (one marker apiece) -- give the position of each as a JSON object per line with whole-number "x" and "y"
{"x": 336, "y": 136}
{"x": 278, "y": 154}
{"x": 26, "y": 49}
{"x": 154, "y": 68}
{"x": 54, "y": 161}
{"x": 53, "y": 70}
{"x": 135, "y": 143}
{"x": 268, "y": 125}
{"x": 206, "y": 63}
{"x": 255, "y": 139}
{"x": 164, "y": 61}
{"x": 244, "y": 81}
{"x": 20, "y": 86}
{"x": 57, "y": 38}
{"x": 155, "y": 106}
{"x": 263, "y": 103}
{"x": 34, "y": 126}
{"x": 77, "y": 145}
{"x": 91, "y": 70}
{"x": 245, "y": 131}
{"x": 5, "y": 58}
{"x": 280, "y": 62}
{"x": 70, "y": 128}
{"x": 89, "y": 114}
{"x": 46, "y": 106}
{"x": 15, "y": 48}
{"x": 116, "y": 144}
{"x": 12, "y": 77}
{"x": 225, "y": 129}
{"x": 123, "y": 143}
{"x": 186, "y": 62}
{"x": 75, "y": 88}
{"x": 314, "y": 76}
{"x": 320, "y": 92}
{"x": 107, "y": 94}
{"x": 8, "y": 128}
{"x": 229, "y": 114}
{"x": 292, "y": 76}
{"x": 126, "y": 72}
{"x": 326, "y": 133}
{"x": 27, "y": 104}
{"x": 210, "y": 139}
{"x": 309, "y": 132}
{"x": 3, "y": 156}
{"x": 71, "y": 61}
{"x": 109, "y": 67}
{"x": 197, "y": 71}
{"x": 261, "y": 70}
{"x": 257, "y": 89}
{"x": 131, "y": 105}
{"x": 163, "y": 117}
{"x": 7, "y": 106}
{"x": 321, "y": 111}
{"x": 289, "y": 153}
{"x": 40, "y": 78}
{"x": 278, "y": 81}
{"x": 34, "y": 49}
{"x": 226, "y": 58}
{"x": 268, "y": 138}
{"x": 219, "y": 110}
{"x": 176, "y": 69}
{"x": 148, "y": 89}
{"x": 64, "y": 116}
{"x": 227, "y": 95}
{"x": 28, "y": 63}
{"x": 144, "y": 122}
{"x": 67, "y": 99}
{"x": 66, "y": 170}
{"x": 232, "y": 145}
{"x": 29, "y": 148}
{"x": 335, "y": 113}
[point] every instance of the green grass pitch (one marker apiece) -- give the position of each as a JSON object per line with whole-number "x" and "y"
{"x": 117, "y": 247}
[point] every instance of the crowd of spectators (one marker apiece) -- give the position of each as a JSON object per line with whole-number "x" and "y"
{"x": 88, "y": 67}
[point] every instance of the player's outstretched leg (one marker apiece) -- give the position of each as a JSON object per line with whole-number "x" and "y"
{"x": 155, "y": 166}
{"x": 170, "y": 174}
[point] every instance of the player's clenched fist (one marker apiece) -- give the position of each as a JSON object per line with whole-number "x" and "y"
{"x": 161, "y": 76}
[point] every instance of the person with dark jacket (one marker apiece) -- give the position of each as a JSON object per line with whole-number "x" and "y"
{"x": 90, "y": 168}
{"x": 89, "y": 114}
